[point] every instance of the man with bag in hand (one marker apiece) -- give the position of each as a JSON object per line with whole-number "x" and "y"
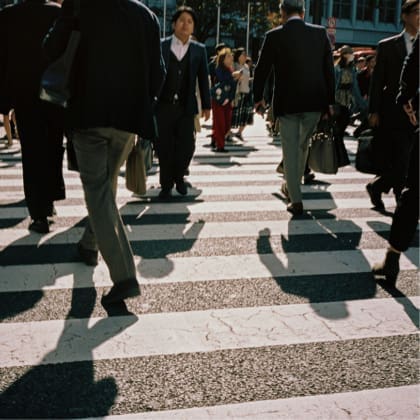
{"x": 117, "y": 76}
{"x": 300, "y": 96}
{"x": 22, "y": 62}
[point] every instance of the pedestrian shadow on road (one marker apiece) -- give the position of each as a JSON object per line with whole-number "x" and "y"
{"x": 329, "y": 248}
{"x": 175, "y": 233}
{"x": 63, "y": 384}
{"x": 12, "y": 220}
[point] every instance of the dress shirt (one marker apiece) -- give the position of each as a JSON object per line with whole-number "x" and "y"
{"x": 409, "y": 40}
{"x": 179, "y": 48}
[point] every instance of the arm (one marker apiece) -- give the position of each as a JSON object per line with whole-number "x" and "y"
{"x": 4, "y": 105}
{"x": 329, "y": 72}
{"x": 263, "y": 69}
{"x": 203, "y": 84}
{"x": 376, "y": 86}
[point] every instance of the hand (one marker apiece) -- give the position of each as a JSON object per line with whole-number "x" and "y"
{"x": 373, "y": 119}
{"x": 408, "y": 108}
{"x": 225, "y": 102}
{"x": 206, "y": 114}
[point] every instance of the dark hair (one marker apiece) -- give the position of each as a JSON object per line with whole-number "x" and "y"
{"x": 408, "y": 6}
{"x": 369, "y": 58}
{"x": 184, "y": 9}
{"x": 237, "y": 53}
{"x": 219, "y": 47}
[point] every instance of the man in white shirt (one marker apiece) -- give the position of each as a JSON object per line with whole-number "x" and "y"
{"x": 186, "y": 65}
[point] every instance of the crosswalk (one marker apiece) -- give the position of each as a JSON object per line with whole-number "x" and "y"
{"x": 245, "y": 311}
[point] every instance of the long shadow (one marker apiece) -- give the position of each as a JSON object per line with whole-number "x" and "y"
{"x": 156, "y": 261}
{"x": 10, "y": 221}
{"x": 283, "y": 258}
{"x": 63, "y": 383}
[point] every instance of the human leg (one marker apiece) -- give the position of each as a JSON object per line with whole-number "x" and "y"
{"x": 100, "y": 153}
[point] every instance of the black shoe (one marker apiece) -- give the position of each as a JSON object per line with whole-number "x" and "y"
{"x": 389, "y": 267}
{"x": 88, "y": 256}
{"x": 308, "y": 178}
{"x": 40, "y": 226}
{"x": 239, "y": 136}
{"x": 295, "y": 208}
{"x": 375, "y": 197}
{"x": 181, "y": 187}
{"x": 120, "y": 291}
{"x": 165, "y": 194}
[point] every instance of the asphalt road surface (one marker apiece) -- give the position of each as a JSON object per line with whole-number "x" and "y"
{"x": 245, "y": 313}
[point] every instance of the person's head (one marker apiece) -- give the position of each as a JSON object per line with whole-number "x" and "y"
{"x": 183, "y": 22}
{"x": 290, "y": 8}
{"x": 370, "y": 61}
{"x": 219, "y": 47}
{"x": 410, "y": 16}
{"x": 361, "y": 63}
{"x": 239, "y": 55}
{"x": 346, "y": 56}
{"x": 225, "y": 58}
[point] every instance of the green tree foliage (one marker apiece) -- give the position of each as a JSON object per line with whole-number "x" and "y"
{"x": 233, "y": 17}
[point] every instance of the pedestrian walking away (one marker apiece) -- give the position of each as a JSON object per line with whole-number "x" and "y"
{"x": 300, "y": 97}
{"x": 112, "y": 100}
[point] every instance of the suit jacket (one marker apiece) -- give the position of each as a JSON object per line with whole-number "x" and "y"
{"x": 301, "y": 57}
{"x": 22, "y": 59}
{"x": 198, "y": 71}
{"x": 385, "y": 80}
{"x": 118, "y": 70}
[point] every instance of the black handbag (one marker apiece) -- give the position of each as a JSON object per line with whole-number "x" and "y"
{"x": 322, "y": 152}
{"x": 365, "y": 155}
{"x": 55, "y": 81}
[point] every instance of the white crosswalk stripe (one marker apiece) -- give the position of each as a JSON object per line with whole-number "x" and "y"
{"x": 245, "y": 312}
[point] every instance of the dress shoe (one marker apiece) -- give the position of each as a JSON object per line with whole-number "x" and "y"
{"x": 120, "y": 291}
{"x": 389, "y": 267}
{"x": 284, "y": 191}
{"x": 280, "y": 168}
{"x": 40, "y": 226}
{"x": 239, "y": 136}
{"x": 295, "y": 208}
{"x": 181, "y": 187}
{"x": 165, "y": 194}
{"x": 88, "y": 256}
{"x": 375, "y": 197}
{"x": 308, "y": 178}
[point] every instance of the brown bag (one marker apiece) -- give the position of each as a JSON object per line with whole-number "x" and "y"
{"x": 135, "y": 171}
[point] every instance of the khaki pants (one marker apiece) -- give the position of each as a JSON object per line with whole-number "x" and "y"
{"x": 100, "y": 152}
{"x": 295, "y": 131}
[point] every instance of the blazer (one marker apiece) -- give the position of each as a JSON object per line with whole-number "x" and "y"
{"x": 22, "y": 59}
{"x": 301, "y": 57}
{"x": 118, "y": 71}
{"x": 384, "y": 84}
{"x": 198, "y": 72}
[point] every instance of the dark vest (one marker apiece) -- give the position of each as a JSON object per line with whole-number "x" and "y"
{"x": 175, "y": 89}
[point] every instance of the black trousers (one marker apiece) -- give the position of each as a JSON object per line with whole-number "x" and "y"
{"x": 175, "y": 144}
{"x": 41, "y": 136}
{"x": 396, "y": 148}
{"x": 405, "y": 219}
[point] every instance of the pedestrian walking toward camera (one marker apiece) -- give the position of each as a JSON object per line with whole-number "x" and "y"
{"x": 22, "y": 62}
{"x": 243, "y": 110}
{"x": 186, "y": 64}
{"x": 112, "y": 100}
{"x": 393, "y": 126}
{"x": 300, "y": 96}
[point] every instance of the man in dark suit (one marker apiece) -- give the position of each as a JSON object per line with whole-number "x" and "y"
{"x": 186, "y": 64}
{"x": 300, "y": 95}
{"x": 118, "y": 73}
{"x": 406, "y": 216}
{"x": 22, "y": 62}
{"x": 394, "y": 128}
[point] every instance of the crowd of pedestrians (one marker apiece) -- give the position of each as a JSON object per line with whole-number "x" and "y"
{"x": 168, "y": 83}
